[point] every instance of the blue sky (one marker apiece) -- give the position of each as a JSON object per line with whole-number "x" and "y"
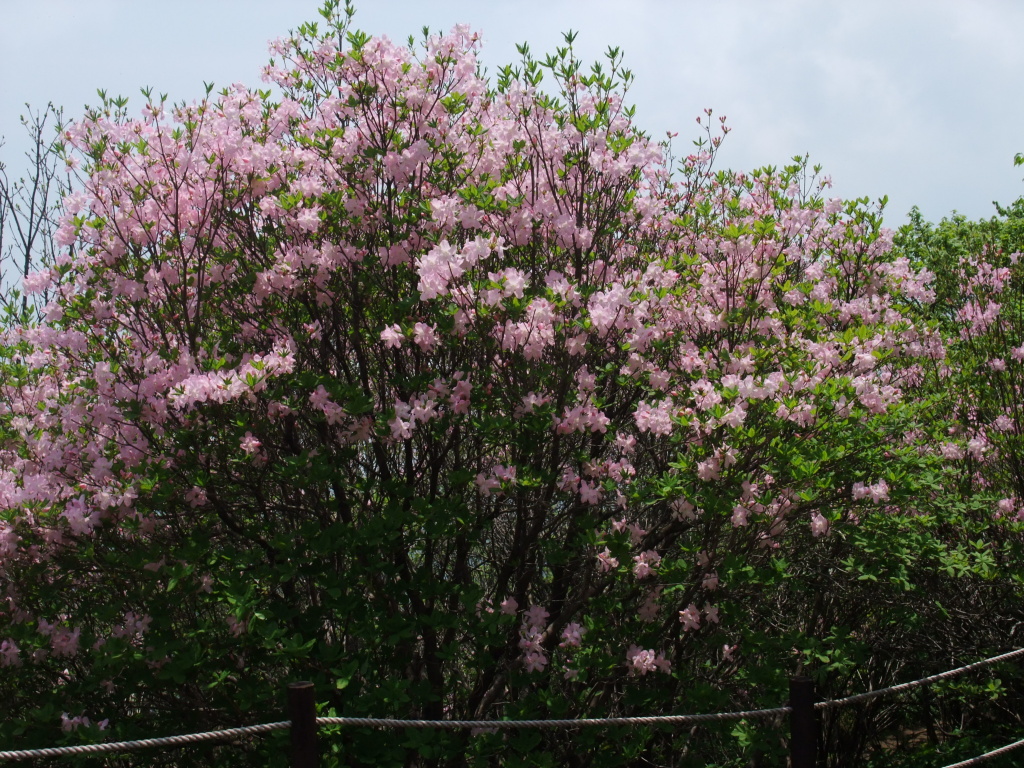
{"x": 917, "y": 100}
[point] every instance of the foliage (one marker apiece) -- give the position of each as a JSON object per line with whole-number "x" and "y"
{"x": 980, "y": 303}
{"x": 465, "y": 400}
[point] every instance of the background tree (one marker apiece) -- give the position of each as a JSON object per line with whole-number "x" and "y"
{"x": 29, "y": 207}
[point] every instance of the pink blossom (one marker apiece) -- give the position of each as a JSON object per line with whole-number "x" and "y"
{"x": 625, "y": 443}
{"x": 978, "y": 446}
{"x": 690, "y": 617}
{"x": 460, "y": 395}
{"x": 536, "y": 616}
{"x": 535, "y": 661}
{"x": 531, "y": 637}
{"x": 819, "y": 525}
{"x": 392, "y": 336}
{"x": 335, "y": 413}
{"x": 196, "y": 496}
{"x": 80, "y": 518}
{"x": 877, "y": 492}
{"x": 709, "y": 469}
{"x": 133, "y": 626}
{"x": 1002, "y": 423}
{"x": 492, "y": 481}
{"x": 607, "y": 561}
{"x": 309, "y": 218}
{"x": 582, "y": 418}
{"x": 531, "y": 402}
{"x": 487, "y": 483}
{"x": 642, "y": 661}
{"x": 590, "y": 493}
{"x": 10, "y": 654}
{"x": 572, "y": 635}
{"x": 64, "y": 642}
{"x": 68, "y": 724}
{"x": 636, "y": 533}
{"x": 250, "y": 444}
{"x": 649, "y": 609}
{"x": 569, "y": 481}
{"x": 682, "y": 510}
{"x": 509, "y": 606}
{"x": 401, "y": 427}
{"x": 425, "y": 336}
{"x": 238, "y": 627}
{"x": 37, "y": 282}
{"x": 951, "y": 451}
{"x": 735, "y": 417}
{"x": 577, "y": 345}
{"x": 645, "y": 563}
{"x": 864, "y": 361}
{"x": 655, "y": 419}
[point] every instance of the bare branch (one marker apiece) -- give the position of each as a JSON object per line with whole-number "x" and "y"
{"x": 29, "y": 209}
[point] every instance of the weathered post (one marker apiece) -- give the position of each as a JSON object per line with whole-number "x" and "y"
{"x": 803, "y": 730}
{"x": 302, "y": 713}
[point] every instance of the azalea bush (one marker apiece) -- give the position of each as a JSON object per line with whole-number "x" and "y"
{"x": 462, "y": 399}
{"x": 981, "y": 282}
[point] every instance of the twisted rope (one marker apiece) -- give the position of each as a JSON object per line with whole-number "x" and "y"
{"x": 230, "y": 733}
{"x": 987, "y": 755}
{"x": 915, "y": 683}
{"x": 161, "y": 741}
{"x": 375, "y": 722}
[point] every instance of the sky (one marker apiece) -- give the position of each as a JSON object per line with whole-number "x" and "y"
{"x": 918, "y": 100}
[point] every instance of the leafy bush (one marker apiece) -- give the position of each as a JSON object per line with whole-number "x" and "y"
{"x": 463, "y": 399}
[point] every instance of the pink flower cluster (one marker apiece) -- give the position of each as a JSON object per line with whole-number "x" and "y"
{"x": 493, "y": 480}
{"x": 640, "y": 661}
{"x": 877, "y": 492}
{"x": 68, "y": 724}
{"x": 532, "y": 634}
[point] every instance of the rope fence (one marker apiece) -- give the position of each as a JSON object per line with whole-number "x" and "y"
{"x": 376, "y": 722}
{"x": 982, "y": 758}
{"x": 159, "y": 741}
{"x": 303, "y": 723}
{"x": 916, "y": 683}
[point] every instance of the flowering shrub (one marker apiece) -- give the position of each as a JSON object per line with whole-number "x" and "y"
{"x": 980, "y": 280}
{"x": 456, "y": 397}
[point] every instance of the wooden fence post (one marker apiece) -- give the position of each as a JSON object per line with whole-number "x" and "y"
{"x": 302, "y": 713}
{"x": 803, "y": 729}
